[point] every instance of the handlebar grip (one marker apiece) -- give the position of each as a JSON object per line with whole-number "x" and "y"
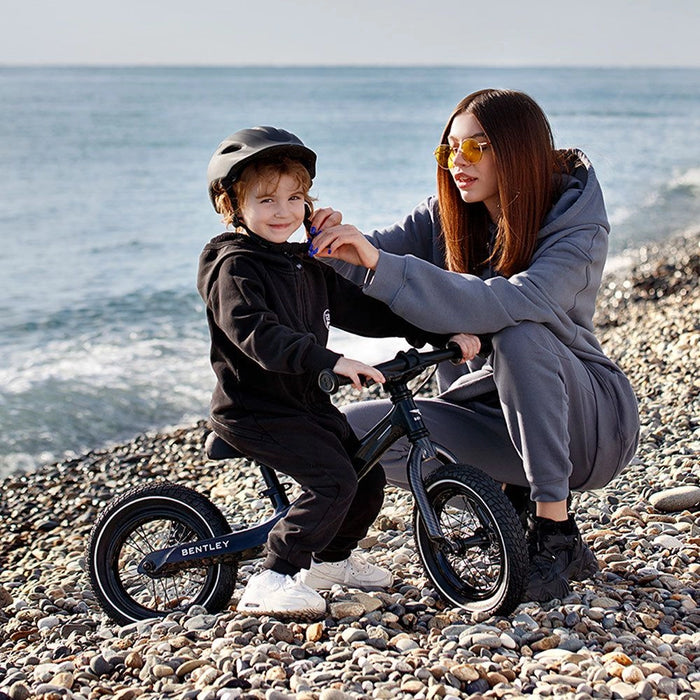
{"x": 457, "y": 358}
{"x": 328, "y": 381}
{"x": 484, "y": 352}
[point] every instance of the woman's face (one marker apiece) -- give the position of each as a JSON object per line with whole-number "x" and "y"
{"x": 476, "y": 182}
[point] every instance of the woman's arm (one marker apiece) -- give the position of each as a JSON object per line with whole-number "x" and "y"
{"x": 417, "y": 234}
{"x": 355, "y": 312}
{"x": 557, "y": 289}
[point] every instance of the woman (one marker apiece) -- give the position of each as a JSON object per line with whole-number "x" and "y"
{"x": 512, "y": 247}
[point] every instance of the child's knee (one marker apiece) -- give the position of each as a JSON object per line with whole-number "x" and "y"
{"x": 344, "y": 485}
{"x": 374, "y": 481}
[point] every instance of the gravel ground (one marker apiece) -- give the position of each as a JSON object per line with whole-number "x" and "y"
{"x": 633, "y": 631}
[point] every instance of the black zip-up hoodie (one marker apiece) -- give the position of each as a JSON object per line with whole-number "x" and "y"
{"x": 269, "y": 307}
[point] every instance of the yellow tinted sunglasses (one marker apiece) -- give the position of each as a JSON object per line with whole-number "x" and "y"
{"x": 470, "y": 149}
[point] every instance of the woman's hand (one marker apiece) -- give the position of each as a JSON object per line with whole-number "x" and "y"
{"x": 347, "y": 243}
{"x": 469, "y": 344}
{"x": 324, "y": 218}
{"x": 353, "y": 369}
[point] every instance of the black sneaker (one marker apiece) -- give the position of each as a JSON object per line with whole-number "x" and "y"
{"x": 557, "y": 556}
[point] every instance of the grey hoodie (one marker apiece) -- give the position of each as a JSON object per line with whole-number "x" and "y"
{"x": 558, "y": 289}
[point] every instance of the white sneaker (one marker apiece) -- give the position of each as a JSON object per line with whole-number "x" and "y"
{"x": 355, "y": 571}
{"x": 271, "y": 593}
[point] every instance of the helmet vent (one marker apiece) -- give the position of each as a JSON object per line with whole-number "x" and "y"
{"x": 232, "y": 148}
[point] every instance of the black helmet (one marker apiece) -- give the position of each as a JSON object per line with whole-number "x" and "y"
{"x": 236, "y": 151}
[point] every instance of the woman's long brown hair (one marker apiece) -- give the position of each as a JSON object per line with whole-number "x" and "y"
{"x": 525, "y": 159}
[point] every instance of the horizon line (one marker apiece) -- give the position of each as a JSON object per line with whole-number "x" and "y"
{"x": 519, "y": 66}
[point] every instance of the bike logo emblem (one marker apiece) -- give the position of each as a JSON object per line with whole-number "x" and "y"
{"x": 203, "y": 548}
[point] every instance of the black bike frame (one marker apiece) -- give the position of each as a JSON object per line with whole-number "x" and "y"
{"x": 404, "y": 419}
{"x": 242, "y": 544}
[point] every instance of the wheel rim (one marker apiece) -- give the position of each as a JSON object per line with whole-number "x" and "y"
{"x": 144, "y": 596}
{"x": 478, "y": 571}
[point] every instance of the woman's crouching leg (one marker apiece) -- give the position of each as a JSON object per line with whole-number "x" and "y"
{"x": 548, "y": 401}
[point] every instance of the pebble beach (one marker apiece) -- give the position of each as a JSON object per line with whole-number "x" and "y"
{"x": 631, "y": 632}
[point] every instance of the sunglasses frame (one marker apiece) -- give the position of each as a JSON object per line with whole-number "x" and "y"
{"x": 452, "y": 152}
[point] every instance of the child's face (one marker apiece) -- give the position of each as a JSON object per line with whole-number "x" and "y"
{"x": 274, "y": 210}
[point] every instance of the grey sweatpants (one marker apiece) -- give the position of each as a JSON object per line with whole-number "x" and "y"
{"x": 555, "y": 423}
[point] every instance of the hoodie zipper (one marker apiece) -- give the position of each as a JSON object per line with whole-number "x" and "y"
{"x": 302, "y": 292}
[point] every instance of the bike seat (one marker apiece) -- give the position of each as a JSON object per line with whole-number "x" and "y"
{"x": 217, "y": 448}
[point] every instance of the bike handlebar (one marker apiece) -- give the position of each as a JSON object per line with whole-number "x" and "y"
{"x": 405, "y": 365}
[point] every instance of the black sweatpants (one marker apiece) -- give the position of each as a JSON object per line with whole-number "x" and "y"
{"x": 334, "y": 510}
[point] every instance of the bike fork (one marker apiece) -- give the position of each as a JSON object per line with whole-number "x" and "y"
{"x": 422, "y": 449}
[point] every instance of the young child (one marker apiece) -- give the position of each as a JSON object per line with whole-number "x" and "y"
{"x": 269, "y": 305}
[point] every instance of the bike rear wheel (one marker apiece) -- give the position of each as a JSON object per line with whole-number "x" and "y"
{"x": 488, "y": 568}
{"x": 149, "y": 518}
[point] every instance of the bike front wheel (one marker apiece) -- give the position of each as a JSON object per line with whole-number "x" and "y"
{"x": 484, "y": 566}
{"x": 141, "y": 521}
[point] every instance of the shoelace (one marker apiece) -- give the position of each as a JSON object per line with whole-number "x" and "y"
{"x": 357, "y": 564}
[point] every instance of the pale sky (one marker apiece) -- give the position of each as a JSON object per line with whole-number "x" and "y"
{"x": 352, "y": 32}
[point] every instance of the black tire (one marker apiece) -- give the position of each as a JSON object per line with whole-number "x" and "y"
{"x": 142, "y": 520}
{"x": 489, "y": 576}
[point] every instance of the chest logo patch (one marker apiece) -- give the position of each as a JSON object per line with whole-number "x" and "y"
{"x": 327, "y": 318}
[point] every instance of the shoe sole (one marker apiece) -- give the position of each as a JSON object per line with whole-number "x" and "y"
{"x": 300, "y": 615}
{"x": 320, "y": 584}
{"x": 326, "y": 586}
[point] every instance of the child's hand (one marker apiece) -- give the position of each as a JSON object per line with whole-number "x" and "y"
{"x": 469, "y": 344}
{"x": 353, "y": 369}
{"x": 347, "y": 243}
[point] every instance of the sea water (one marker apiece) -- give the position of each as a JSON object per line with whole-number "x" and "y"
{"x": 104, "y": 210}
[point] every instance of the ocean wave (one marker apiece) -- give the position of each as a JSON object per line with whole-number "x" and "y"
{"x": 96, "y": 315}
{"x": 130, "y": 373}
{"x": 77, "y": 400}
{"x": 115, "y": 363}
{"x": 666, "y": 210}
{"x": 690, "y": 180}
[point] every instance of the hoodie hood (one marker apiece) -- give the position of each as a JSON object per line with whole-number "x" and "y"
{"x": 581, "y": 197}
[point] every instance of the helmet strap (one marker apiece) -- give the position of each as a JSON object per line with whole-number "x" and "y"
{"x": 239, "y": 223}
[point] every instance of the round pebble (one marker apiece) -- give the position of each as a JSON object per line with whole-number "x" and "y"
{"x": 676, "y": 499}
